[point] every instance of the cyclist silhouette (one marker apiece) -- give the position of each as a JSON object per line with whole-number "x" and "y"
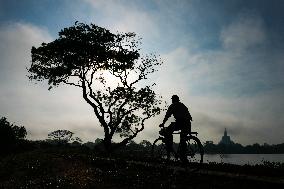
{"x": 183, "y": 123}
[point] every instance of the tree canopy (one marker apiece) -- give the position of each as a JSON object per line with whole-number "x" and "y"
{"x": 10, "y": 133}
{"x": 63, "y": 136}
{"x": 107, "y": 68}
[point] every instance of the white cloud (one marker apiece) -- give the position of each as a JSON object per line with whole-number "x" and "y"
{"x": 125, "y": 17}
{"x": 15, "y": 47}
{"x": 159, "y": 27}
{"x": 247, "y": 31}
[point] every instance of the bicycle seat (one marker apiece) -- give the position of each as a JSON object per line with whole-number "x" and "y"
{"x": 193, "y": 133}
{"x": 176, "y": 132}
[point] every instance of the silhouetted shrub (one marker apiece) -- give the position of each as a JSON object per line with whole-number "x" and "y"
{"x": 10, "y": 135}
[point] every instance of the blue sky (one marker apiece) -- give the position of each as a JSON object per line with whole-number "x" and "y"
{"x": 226, "y": 58}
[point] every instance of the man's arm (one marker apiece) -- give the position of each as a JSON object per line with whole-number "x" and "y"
{"x": 168, "y": 114}
{"x": 189, "y": 115}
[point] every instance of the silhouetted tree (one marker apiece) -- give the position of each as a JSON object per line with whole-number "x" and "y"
{"x": 98, "y": 141}
{"x": 77, "y": 139}
{"x": 76, "y": 143}
{"x": 145, "y": 143}
{"x": 89, "y": 144}
{"x": 6, "y": 131}
{"x": 133, "y": 146}
{"x": 106, "y": 67}
{"x": 132, "y": 143}
{"x": 10, "y": 134}
{"x": 19, "y": 131}
{"x": 63, "y": 136}
{"x": 210, "y": 148}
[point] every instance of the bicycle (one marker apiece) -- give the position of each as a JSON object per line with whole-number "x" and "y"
{"x": 194, "y": 148}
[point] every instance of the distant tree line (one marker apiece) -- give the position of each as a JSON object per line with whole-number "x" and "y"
{"x": 236, "y": 148}
{"x": 210, "y": 148}
{"x": 63, "y": 137}
{"x": 13, "y": 139}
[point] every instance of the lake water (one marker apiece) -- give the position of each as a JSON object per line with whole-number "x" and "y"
{"x": 241, "y": 159}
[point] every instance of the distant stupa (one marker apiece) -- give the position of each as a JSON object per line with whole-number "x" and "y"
{"x": 226, "y": 139}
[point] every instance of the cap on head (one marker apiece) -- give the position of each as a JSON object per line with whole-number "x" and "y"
{"x": 175, "y": 98}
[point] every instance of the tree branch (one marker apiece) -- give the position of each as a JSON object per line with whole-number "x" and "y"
{"x": 76, "y": 85}
{"x": 126, "y": 140}
{"x": 96, "y": 100}
{"x": 85, "y": 96}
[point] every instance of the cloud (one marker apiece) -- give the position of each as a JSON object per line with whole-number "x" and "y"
{"x": 238, "y": 86}
{"x": 15, "y": 47}
{"x": 247, "y": 31}
{"x": 154, "y": 21}
{"x": 125, "y": 17}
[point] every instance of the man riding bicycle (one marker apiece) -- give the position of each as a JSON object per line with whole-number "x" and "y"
{"x": 183, "y": 123}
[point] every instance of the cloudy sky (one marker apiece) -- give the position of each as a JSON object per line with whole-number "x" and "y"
{"x": 224, "y": 58}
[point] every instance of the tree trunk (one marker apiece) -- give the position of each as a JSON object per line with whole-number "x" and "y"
{"x": 107, "y": 144}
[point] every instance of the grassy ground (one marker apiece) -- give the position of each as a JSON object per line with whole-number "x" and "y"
{"x": 73, "y": 168}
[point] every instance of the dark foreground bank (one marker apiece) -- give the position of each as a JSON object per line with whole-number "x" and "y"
{"x": 73, "y": 168}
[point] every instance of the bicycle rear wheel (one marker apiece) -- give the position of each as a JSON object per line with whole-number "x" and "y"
{"x": 194, "y": 150}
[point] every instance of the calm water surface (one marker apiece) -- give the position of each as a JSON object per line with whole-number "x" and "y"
{"x": 241, "y": 159}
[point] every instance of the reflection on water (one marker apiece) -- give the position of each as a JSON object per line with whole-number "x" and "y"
{"x": 241, "y": 159}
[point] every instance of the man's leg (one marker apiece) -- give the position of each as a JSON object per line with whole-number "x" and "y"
{"x": 169, "y": 139}
{"x": 185, "y": 130}
{"x": 183, "y": 146}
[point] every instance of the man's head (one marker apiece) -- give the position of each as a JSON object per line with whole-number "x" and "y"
{"x": 175, "y": 98}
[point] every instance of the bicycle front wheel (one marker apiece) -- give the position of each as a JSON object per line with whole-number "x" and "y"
{"x": 194, "y": 150}
{"x": 159, "y": 150}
